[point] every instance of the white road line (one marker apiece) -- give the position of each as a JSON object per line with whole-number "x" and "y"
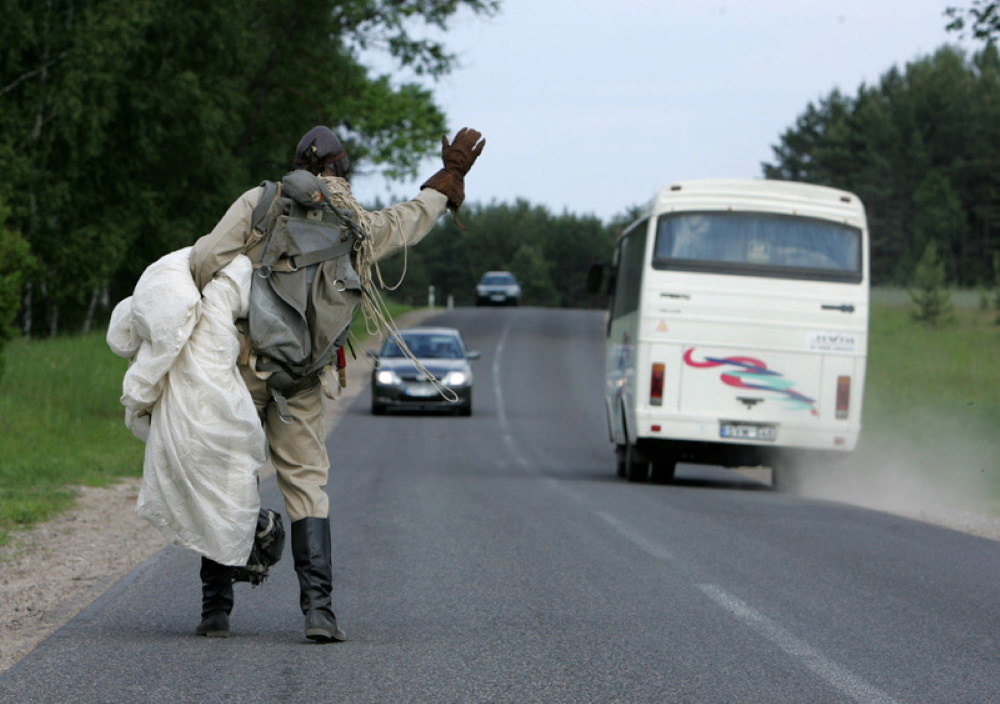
{"x": 840, "y": 678}
{"x": 497, "y": 388}
{"x": 501, "y": 407}
{"x": 837, "y": 676}
{"x": 647, "y": 545}
{"x": 508, "y": 438}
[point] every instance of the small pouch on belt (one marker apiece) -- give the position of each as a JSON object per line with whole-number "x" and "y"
{"x": 244, "y": 338}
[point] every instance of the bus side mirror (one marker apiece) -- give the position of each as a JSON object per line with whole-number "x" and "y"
{"x": 598, "y": 279}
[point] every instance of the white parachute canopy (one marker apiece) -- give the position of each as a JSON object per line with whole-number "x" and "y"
{"x": 185, "y": 398}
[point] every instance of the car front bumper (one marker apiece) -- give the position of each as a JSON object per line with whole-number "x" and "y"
{"x": 498, "y": 298}
{"x": 423, "y": 397}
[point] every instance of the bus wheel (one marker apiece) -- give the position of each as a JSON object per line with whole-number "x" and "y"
{"x": 779, "y": 478}
{"x": 620, "y": 460}
{"x": 785, "y": 477}
{"x": 791, "y": 468}
{"x": 663, "y": 471}
{"x": 635, "y": 471}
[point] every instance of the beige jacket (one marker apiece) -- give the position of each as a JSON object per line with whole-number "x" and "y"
{"x": 391, "y": 229}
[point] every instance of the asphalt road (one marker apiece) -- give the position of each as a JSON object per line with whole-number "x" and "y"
{"x": 497, "y": 558}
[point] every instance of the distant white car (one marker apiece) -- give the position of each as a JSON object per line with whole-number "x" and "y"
{"x": 498, "y": 288}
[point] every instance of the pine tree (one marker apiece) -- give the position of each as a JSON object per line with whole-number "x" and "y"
{"x": 931, "y": 300}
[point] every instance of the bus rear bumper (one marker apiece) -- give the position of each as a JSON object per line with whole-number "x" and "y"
{"x": 706, "y": 441}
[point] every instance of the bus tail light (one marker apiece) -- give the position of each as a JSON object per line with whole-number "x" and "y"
{"x": 843, "y": 396}
{"x": 656, "y": 385}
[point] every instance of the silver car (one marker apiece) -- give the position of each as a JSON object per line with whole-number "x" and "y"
{"x": 398, "y": 384}
{"x": 498, "y": 288}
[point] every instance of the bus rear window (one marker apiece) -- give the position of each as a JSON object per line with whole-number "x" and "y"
{"x": 757, "y": 244}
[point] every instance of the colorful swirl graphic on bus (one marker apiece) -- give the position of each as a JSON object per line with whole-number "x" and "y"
{"x": 750, "y": 373}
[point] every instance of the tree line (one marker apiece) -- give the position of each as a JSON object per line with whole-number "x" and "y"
{"x": 127, "y": 127}
{"x": 548, "y": 253}
{"x": 922, "y": 150}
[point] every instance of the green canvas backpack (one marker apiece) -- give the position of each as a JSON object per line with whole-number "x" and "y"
{"x": 304, "y": 289}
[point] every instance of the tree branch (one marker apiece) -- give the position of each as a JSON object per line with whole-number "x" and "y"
{"x": 31, "y": 74}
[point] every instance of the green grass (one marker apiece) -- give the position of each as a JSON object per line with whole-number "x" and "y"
{"x": 932, "y": 404}
{"x": 63, "y": 425}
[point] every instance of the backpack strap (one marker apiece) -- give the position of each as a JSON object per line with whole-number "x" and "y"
{"x": 322, "y": 255}
{"x": 261, "y": 211}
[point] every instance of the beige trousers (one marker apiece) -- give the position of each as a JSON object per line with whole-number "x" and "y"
{"x": 298, "y": 450}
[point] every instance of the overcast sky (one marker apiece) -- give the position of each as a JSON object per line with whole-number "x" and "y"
{"x": 590, "y": 106}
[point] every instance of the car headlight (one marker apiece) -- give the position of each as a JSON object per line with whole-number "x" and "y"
{"x": 455, "y": 379}
{"x": 388, "y": 377}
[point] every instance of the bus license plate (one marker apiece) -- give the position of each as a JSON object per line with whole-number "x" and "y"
{"x": 748, "y": 431}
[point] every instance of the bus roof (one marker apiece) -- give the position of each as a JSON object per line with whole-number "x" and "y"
{"x": 788, "y": 197}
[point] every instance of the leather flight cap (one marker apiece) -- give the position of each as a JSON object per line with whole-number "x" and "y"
{"x": 325, "y": 145}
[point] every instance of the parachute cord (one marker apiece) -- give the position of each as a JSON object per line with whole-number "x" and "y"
{"x": 379, "y": 323}
{"x": 378, "y": 319}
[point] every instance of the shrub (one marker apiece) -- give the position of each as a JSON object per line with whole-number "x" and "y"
{"x": 931, "y": 300}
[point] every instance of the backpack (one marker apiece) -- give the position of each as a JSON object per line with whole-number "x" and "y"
{"x": 304, "y": 289}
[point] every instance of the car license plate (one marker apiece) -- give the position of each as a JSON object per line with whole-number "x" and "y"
{"x": 748, "y": 431}
{"x": 420, "y": 390}
{"x": 497, "y": 297}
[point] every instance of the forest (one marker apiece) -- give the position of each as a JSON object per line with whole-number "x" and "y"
{"x": 128, "y": 126}
{"x": 921, "y": 148}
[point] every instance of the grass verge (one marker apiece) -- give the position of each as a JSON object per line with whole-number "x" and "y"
{"x": 63, "y": 426}
{"x": 932, "y": 409}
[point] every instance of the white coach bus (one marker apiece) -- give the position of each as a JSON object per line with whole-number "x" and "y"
{"x": 738, "y": 327}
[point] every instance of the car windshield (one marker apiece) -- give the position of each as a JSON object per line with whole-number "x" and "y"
{"x": 758, "y": 244}
{"x": 425, "y": 346}
{"x": 498, "y": 280}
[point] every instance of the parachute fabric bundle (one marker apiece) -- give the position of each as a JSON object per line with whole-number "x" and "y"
{"x": 183, "y": 395}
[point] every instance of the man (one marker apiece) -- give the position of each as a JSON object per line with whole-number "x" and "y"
{"x": 298, "y": 449}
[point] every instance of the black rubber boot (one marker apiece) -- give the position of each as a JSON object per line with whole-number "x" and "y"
{"x": 216, "y": 599}
{"x": 313, "y": 564}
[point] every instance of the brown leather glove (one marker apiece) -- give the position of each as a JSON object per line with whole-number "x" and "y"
{"x": 458, "y": 157}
